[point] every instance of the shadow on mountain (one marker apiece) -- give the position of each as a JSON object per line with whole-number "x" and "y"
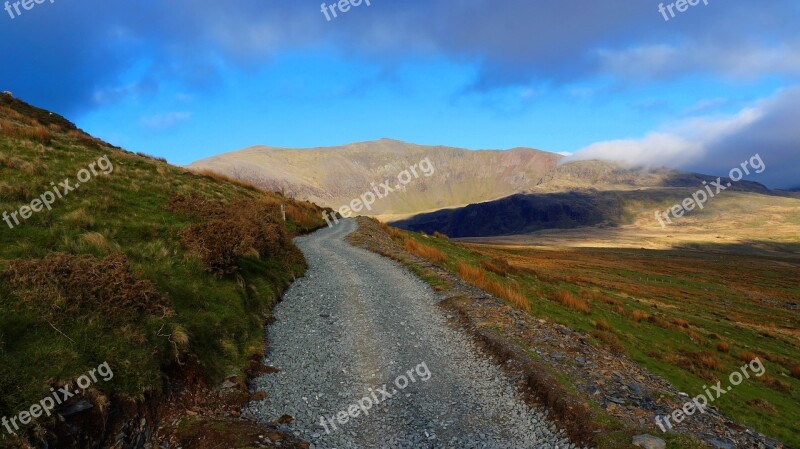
{"x": 696, "y": 180}
{"x": 519, "y": 214}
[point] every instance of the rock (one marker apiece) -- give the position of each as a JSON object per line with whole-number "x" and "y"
{"x": 649, "y": 442}
{"x": 285, "y": 419}
{"x": 721, "y": 444}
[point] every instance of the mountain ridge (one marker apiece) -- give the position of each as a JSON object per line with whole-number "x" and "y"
{"x": 334, "y": 176}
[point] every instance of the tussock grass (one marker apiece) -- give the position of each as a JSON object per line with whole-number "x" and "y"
{"x": 567, "y": 299}
{"x": 424, "y": 251}
{"x": 478, "y": 278}
{"x": 602, "y": 325}
{"x": 747, "y": 356}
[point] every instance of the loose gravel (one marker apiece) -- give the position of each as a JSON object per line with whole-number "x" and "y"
{"x": 357, "y": 322}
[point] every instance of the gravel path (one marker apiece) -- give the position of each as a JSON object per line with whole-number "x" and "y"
{"x": 358, "y": 322}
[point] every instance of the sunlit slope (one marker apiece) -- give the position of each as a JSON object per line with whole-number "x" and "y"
{"x": 334, "y": 176}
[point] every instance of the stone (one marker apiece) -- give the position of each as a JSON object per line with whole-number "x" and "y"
{"x": 649, "y": 442}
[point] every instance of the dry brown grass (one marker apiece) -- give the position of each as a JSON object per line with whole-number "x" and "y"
{"x": 639, "y": 315}
{"x": 701, "y": 364}
{"x": 511, "y": 294}
{"x": 567, "y": 299}
{"x": 497, "y": 266}
{"x": 708, "y": 360}
{"x": 680, "y": 323}
{"x": 695, "y": 337}
{"x": 37, "y": 132}
{"x": 230, "y": 232}
{"x": 609, "y": 340}
{"x": 795, "y": 371}
{"x": 14, "y": 192}
{"x": 775, "y": 384}
{"x": 723, "y": 347}
{"x": 98, "y": 241}
{"x": 472, "y": 275}
{"x": 478, "y": 278}
{"x": 62, "y": 286}
{"x": 747, "y": 356}
{"x": 602, "y": 325}
{"x": 439, "y": 235}
{"x": 660, "y": 322}
{"x": 149, "y": 156}
{"x": 595, "y": 295}
{"x": 424, "y": 251}
{"x": 304, "y": 214}
{"x": 394, "y": 233}
{"x": 763, "y": 405}
{"x": 227, "y": 179}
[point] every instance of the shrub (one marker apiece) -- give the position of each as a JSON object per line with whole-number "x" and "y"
{"x": 796, "y": 371}
{"x": 62, "y": 286}
{"x": 229, "y": 233}
{"x": 195, "y": 205}
{"x": 723, "y": 347}
{"x": 567, "y": 299}
{"x": 439, "y": 235}
{"x": 424, "y": 251}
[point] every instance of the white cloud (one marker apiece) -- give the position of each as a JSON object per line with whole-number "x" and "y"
{"x": 745, "y": 61}
{"x": 713, "y": 146}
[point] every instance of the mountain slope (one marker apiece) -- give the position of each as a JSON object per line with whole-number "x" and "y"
{"x": 118, "y": 270}
{"x": 334, "y": 176}
{"x": 602, "y": 194}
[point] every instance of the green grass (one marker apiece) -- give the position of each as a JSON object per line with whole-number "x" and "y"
{"x": 222, "y": 316}
{"x": 720, "y": 297}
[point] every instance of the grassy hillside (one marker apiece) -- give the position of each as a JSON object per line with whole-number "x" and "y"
{"x": 691, "y": 317}
{"x": 145, "y": 266}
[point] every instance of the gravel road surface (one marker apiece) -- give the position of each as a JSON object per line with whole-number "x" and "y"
{"x": 366, "y": 360}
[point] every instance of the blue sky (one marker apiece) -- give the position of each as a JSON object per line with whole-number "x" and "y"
{"x": 187, "y": 79}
